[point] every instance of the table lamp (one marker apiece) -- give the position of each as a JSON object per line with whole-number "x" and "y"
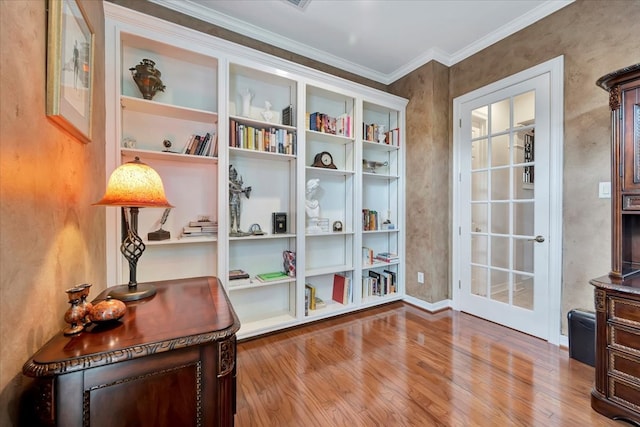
{"x": 133, "y": 185}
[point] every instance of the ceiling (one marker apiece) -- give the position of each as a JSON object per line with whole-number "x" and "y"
{"x": 381, "y": 40}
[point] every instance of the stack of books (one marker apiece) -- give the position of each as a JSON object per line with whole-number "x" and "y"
{"x": 200, "y": 229}
{"x": 239, "y": 277}
{"x": 387, "y": 257}
{"x": 270, "y": 277}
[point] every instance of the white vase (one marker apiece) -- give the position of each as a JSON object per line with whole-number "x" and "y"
{"x": 246, "y": 102}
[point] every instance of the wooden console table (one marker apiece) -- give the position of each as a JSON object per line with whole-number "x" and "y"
{"x": 170, "y": 361}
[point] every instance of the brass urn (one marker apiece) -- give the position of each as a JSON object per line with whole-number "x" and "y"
{"x": 147, "y": 77}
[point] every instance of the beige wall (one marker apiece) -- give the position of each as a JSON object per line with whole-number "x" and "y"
{"x": 51, "y": 238}
{"x": 427, "y": 162}
{"x": 595, "y": 37}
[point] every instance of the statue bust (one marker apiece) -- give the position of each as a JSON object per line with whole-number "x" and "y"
{"x": 312, "y": 206}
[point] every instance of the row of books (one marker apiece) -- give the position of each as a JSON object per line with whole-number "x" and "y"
{"x": 271, "y": 139}
{"x": 311, "y": 300}
{"x": 288, "y": 116}
{"x": 369, "y": 220}
{"x": 325, "y": 123}
{"x": 342, "y": 293}
{"x": 370, "y": 132}
{"x": 379, "y": 283}
{"x": 202, "y": 145}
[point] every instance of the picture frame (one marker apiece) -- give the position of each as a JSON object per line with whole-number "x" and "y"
{"x": 70, "y": 52}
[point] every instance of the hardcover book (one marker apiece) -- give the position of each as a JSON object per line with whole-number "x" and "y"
{"x": 287, "y": 116}
{"x": 311, "y": 290}
{"x": 340, "y": 289}
{"x": 392, "y": 281}
{"x": 279, "y": 222}
{"x": 270, "y": 277}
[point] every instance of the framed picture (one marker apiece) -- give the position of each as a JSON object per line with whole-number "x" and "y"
{"x": 70, "y": 68}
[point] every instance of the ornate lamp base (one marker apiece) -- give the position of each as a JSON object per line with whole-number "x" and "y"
{"x": 132, "y": 293}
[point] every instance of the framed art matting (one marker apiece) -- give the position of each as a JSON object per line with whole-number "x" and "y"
{"x": 70, "y": 68}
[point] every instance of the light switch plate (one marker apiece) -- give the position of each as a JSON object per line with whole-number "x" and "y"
{"x": 604, "y": 190}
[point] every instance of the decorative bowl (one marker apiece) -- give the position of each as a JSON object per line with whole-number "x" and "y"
{"x": 371, "y": 165}
{"x": 107, "y": 310}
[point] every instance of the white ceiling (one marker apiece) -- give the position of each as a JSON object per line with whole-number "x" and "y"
{"x": 381, "y": 40}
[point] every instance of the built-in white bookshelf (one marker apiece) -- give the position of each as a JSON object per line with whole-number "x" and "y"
{"x": 247, "y": 97}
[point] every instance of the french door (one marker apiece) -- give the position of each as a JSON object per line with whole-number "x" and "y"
{"x": 502, "y": 202}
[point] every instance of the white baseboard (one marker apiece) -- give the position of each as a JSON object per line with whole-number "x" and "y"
{"x": 432, "y": 307}
{"x": 563, "y": 340}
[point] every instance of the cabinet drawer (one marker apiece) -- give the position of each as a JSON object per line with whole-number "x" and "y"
{"x": 624, "y": 393}
{"x": 625, "y": 338}
{"x": 631, "y": 203}
{"x": 625, "y": 311}
{"x": 624, "y": 365}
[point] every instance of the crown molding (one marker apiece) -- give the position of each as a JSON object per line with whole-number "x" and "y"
{"x": 192, "y": 9}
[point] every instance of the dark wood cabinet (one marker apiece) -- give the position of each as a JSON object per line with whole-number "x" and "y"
{"x": 170, "y": 361}
{"x": 616, "y": 393}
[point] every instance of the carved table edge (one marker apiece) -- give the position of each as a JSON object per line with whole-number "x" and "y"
{"x": 32, "y": 368}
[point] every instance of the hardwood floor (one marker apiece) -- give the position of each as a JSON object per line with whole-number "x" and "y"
{"x": 398, "y": 365}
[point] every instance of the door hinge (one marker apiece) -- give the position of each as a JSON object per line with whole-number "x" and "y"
{"x": 459, "y": 284}
{"x": 460, "y": 124}
{"x": 459, "y": 231}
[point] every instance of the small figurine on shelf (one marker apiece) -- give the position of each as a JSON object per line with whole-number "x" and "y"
{"x": 289, "y": 263}
{"x": 236, "y": 189}
{"x": 128, "y": 142}
{"x": 381, "y": 135}
{"x": 246, "y": 96}
{"x": 267, "y": 114}
{"x": 161, "y": 234}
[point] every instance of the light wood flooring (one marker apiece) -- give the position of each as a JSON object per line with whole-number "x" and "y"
{"x": 398, "y": 365}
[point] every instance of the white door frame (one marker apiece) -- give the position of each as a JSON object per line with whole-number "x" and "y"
{"x": 555, "y": 69}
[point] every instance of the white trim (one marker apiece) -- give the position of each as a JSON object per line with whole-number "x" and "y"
{"x": 429, "y": 306}
{"x": 555, "y": 69}
{"x": 556, "y": 117}
{"x": 563, "y": 341}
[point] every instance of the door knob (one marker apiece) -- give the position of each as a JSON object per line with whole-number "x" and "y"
{"x": 538, "y": 239}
